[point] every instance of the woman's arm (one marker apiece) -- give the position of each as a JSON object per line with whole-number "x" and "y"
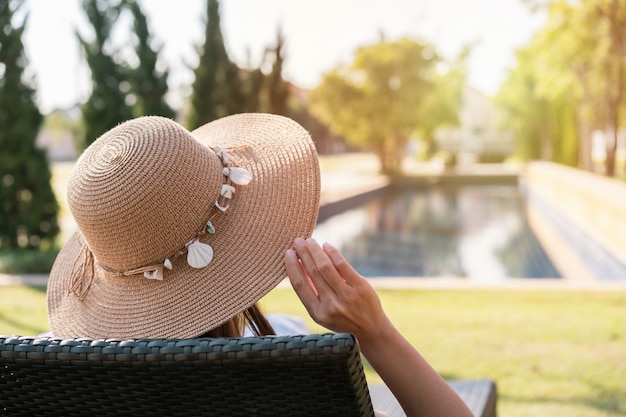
{"x": 339, "y": 298}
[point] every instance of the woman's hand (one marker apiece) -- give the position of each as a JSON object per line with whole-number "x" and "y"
{"x": 340, "y": 299}
{"x": 334, "y": 294}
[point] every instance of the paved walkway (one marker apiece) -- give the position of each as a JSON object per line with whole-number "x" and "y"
{"x": 38, "y": 280}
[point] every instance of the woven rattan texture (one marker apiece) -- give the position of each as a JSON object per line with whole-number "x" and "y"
{"x": 259, "y": 376}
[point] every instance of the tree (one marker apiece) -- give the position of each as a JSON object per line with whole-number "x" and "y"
{"x": 148, "y": 84}
{"x": 539, "y": 112}
{"x": 591, "y": 33}
{"x": 441, "y": 106}
{"x": 217, "y": 90}
{"x": 29, "y": 208}
{"x": 108, "y": 104}
{"x": 266, "y": 93}
{"x": 611, "y": 16}
{"x": 564, "y": 72}
{"x": 252, "y": 90}
{"x": 386, "y": 95}
{"x": 278, "y": 90}
{"x": 574, "y": 80}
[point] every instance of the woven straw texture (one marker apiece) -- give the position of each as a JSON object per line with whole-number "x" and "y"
{"x": 145, "y": 188}
{"x": 268, "y": 376}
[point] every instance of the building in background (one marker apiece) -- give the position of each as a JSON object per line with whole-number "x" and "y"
{"x": 477, "y": 138}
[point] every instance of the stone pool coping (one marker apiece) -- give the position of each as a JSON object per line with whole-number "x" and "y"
{"x": 423, "y": 283}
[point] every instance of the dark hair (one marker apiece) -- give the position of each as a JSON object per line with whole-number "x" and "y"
{"x": 252, "y": 317}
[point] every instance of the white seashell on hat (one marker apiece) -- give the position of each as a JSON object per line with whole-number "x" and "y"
{"x": 239, "y": 176}
{"x": 199, "y": 254}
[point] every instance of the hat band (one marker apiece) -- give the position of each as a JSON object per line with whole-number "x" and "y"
{"x": 199, "y": 254}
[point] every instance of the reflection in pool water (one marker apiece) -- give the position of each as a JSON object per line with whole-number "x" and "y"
{"x": 478, "y": 232}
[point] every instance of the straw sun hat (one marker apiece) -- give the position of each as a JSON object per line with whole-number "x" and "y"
{"x": 180, "y": 231}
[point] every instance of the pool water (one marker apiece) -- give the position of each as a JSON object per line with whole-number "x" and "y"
{"x": 478, "y": 232}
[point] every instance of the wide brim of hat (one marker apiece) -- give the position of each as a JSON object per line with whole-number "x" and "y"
{"x": 264, "y": 217}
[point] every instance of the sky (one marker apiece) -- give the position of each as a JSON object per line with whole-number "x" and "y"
{"x": 320, "y": 34}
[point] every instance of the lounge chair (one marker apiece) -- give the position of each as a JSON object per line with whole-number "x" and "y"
{"x": 253, "y": 376}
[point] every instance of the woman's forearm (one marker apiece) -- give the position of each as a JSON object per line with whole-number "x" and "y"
{"x": 339, "y": 298}
{"x": 419, "y": 389}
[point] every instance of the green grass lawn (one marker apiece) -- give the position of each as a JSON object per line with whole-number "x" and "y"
{"x": 23, "y": 310}
{"x": 552, "y": 353}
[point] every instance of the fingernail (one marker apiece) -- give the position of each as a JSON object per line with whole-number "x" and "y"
{"x": 311, "y": 241}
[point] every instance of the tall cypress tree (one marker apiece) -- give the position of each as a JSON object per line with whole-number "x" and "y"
{"x": 147, "y": 84}
{"x": 217, "y": 87}
{"x": 252, "y": 85}
{"x": 107, "y": 106}
{"x": 29, "y": 208}
{"x": 278, "y": 90}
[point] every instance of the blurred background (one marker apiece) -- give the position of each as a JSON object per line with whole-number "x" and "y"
{"x": 473, "y": 145}
{"x": 396, "y": 95}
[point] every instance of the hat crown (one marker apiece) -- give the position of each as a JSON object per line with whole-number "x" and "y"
{"x": 142, "y": 190}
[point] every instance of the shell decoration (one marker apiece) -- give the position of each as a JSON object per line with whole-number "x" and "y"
{"x": 222, "y": 208}
{"x": 156, "y": 274}
{"x": 237, "y": 175}
{"x": 227, "y": 191}
{"x": 222, "y": 154}
{"x": 199, "y": 254}
{"x": 168, "y": 264}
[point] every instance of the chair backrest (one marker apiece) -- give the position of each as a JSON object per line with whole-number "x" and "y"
{"x": 254, "y": 376}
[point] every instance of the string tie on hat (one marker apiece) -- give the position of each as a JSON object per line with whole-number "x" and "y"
{"x": 199, "y": 254}
{"x": 77, "y": 284}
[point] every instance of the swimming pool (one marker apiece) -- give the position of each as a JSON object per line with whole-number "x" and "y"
{"x": 478, "y": 232}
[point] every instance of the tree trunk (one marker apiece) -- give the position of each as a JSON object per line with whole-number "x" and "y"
{"x": 584, "y": 147}
{"x": 611, "y": 150}
{"x": 615, "y": 82}
{"x": 379, "y": 150}
{"x": 391, "y": 152}
{"x": 585, "y": 128}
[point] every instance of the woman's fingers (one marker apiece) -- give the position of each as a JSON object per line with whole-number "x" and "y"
{"x": 310, "y": 259}
{"x": 300, "y": 282}
{"x": 325, "y": 267}
{"x": 344, "y": 269}
{"x": 334, "y": 294}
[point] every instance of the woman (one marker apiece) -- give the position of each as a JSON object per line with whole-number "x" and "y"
{"x": 181, "y": 233}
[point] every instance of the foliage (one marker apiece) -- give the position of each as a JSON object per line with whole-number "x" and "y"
{"x": 216, "y": 87}
{"x": 222, "y": 88}
{"x": 29, "y": 209}
{"x": 609, "y": 18}
{"x": 390, "y": 92}
{"x": 442, "y": 105}
{"x": 253, "y": 90}
{"x": 27, "y": 261}
{"x": 569, "y": 81}
{"x": 121, "y": 91}
{"x": 539, "y": 115}
{"x": 278, "y": 90}
{"x": 148, "y": 84}
{"x": 107, "y": 105}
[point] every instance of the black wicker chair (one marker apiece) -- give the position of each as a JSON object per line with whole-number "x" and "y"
{"x": 255, "y": 376}
{"x": 313, "y": 375}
